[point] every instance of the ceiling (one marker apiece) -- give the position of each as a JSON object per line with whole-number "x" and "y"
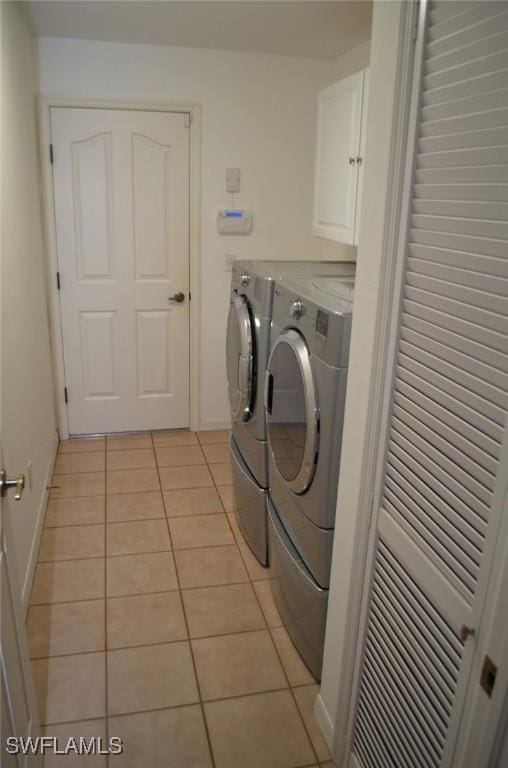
{"x": 292, "y": 27}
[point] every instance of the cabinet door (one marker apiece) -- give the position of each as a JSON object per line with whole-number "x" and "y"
{"x": 338, "y": 146}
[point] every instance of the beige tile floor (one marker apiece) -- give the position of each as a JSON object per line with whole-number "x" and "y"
{"x": 150, "y": 619}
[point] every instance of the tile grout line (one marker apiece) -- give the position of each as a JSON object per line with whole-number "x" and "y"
{"x": 167, "y": 642}
{"x": 274, "y": 645}
{"x": 106, "y": 643}
{"x": 180, "y": 590}
{"x": 191, "y": 651}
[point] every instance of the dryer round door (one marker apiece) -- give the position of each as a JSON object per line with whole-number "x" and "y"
{"x": 240, "y": 359}
{"x": 292, "y": 411}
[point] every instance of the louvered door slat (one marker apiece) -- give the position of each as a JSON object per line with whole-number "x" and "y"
{"x": 424, "y": 381}
{"x": 408, "y": 740}
{"x": 493, "y": 62}
{"x": 432, "y": 299}
{"x": 440, "y": 493}
{"x": 466, "y": 506}
{"x": 485, "y": 266}
{"x": 471, "y": 210}
{"x": 449, "y": 191}
{"x": 494, "y": 230}
{"x": 424, "y": 407}
{"x": 487, "y": 21}
{"x": 480, "y": 480}
{"x": 460, "y": 89}
{"x": 471, "y": 14}
{"x": 446, "y": 671}
{"x": 474, "y": 51}
{"x": 437, "y": 697}
{"x": 442, "y": 454}
{"x": 407, "y": 706}
{"x": 439, "y": 12}
{"x": 410, "y": 411}
{"x": 496, "y": 115}
{"x": 494, "y": 378}
{"x": 478, "y": 385}
{"x": 491, "y": 338}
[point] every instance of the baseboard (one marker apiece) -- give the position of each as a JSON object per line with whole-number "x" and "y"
{"x": 205, "y": 426}
{"x": 34, "y": 550}
{"x": 324, "y": 722}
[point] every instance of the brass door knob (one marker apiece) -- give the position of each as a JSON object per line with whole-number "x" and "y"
{"x": 17, "y": 482}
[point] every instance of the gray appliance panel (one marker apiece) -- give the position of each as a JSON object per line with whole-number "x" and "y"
{"x": 259, "y": 277}
{"x": 318, "y": 502}
{"x": 254, "y": 453}
{"x": 250, "y": 507}
{"x": 326, "y": 327}
{"x": 301, "y": 602}
{"x": 314, "y": 544}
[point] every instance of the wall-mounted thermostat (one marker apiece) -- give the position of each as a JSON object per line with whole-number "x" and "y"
{"x": 234, "y": 222}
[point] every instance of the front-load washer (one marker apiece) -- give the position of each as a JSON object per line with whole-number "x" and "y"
{"x": 305, "y": 392}
{"x": 247, "y": 349}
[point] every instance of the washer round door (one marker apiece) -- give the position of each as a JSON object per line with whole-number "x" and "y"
{"x": 292, "y": 411}
{"x": 240, "y": 366}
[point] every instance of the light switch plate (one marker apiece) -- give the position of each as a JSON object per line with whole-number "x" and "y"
{"x": 232, "y": 179}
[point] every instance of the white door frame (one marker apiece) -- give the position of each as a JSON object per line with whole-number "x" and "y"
{"x": 48, "y": 200}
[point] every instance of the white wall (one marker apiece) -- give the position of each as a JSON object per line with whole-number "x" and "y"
{"x": 258, "y": 113}
{"x": 383, "y": 62}
{"x": 28, "y": 418}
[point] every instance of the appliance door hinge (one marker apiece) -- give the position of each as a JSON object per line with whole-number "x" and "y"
{"x": 66, "y": 395}
{"x": 187, "y": 119}
{"x": 51, "y": 154}
{"x": 58, "y": 280}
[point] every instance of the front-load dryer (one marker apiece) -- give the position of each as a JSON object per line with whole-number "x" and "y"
{"x": 247, "y": 350}
{"x": 305, "y": 393}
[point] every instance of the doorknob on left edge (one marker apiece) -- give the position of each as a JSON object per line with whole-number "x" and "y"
{"x": 11, "y": 482}
{"x": 178, "y": 297}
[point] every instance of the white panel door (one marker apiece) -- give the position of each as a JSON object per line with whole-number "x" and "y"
{"x": 121, "y": 186}
{"x": 337, "y": 152}
{"x": 18, "y": 709}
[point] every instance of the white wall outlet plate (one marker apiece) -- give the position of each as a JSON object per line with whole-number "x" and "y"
{"x": 232, "y": 179}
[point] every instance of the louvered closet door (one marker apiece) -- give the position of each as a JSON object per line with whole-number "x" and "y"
{"x": 446, "y": 441}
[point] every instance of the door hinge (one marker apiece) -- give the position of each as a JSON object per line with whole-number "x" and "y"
{"x": 58, "y": 280}
{"x": 188, "y": 119}
{"x": 66, "y": 395}
{"x": 190, "y": 295}
{"x": 51, "y": 154}
{"x": 488, "y": 676}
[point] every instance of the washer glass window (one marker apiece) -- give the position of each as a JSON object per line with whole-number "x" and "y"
{"x": 291, "y": 411}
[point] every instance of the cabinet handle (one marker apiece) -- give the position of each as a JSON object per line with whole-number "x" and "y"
{"x": 359, "y": 160}
{"x": 352, "y": 160}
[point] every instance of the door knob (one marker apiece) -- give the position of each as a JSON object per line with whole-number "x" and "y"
{"x": 178, "y": 297}
{"x": 11, "y": 482}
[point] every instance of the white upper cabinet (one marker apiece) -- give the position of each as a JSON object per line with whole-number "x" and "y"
{"x": 342, "y": 109}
